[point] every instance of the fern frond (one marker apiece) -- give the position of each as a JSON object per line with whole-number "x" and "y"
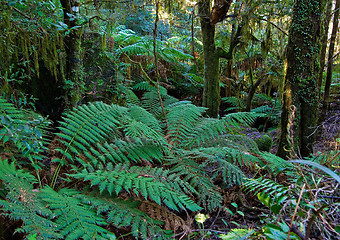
{"x": 171, "y": 221}
{"x": 131, "y": 150}
{"x": 23, "y": 133}
{"x": 142, "y": 47}
{"x": 231, "y": 173}
{"x": 22, "y": 203}
{"x": 277, "y": 164}
{"x": 86, "y": 125}
{"x": 144, "y": 86}
{"x": 206, "y": 132}
{"x": 126, "y": 37}
{"x": 131, "y": 97}
{"x": 235, "y": 102}
{"x": 277, "y": 192}
{"x": 125, "y": 178}
{"x": 239, "y": 119}
{"x": 187, "y": 167}
{"x": 141, "y": 115}
{"x": 173, "y": 55}
{"x": 225, "y": 162}
{"x": 171, "y": 180}
{"x": 182, "y": 117}
{"x": 74, "y": 219}
{"x": 126, "y": 213}
{"x": 150, "y": 102}
{"x": 136, "y": 129}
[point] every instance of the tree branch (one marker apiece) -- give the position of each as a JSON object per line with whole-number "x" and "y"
{"x": 223, "y": 54}
{"x": 281, "y": 30}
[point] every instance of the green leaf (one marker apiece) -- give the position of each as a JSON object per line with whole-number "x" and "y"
{"x": 319, "y": 166}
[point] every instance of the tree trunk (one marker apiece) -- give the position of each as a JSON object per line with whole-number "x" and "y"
{"x": 72, "y": 44}
{"x": 301, "y": 80}
{"x": 325, "y": 105}
{"x": 252, "y": 89}
{"x": 324, "y": 42}
{"x": 234, "y": 40}
{"x": 211, "y": 91}
{"x": 208, "y": 19}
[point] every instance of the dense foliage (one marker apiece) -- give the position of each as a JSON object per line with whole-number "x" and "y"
{"x": 102, "y": 133}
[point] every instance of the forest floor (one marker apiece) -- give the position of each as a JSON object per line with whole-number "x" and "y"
{"x": 253, "y": 212}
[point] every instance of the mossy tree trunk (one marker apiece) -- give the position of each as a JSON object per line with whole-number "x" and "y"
{"x": 301, "y": 80}
{"x": 208, "y": 18}
{"x": 72, "y": 44}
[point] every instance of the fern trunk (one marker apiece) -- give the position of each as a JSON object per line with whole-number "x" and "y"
{"x": 301, "y": 80}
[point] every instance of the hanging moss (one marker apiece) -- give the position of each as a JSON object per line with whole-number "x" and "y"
{"x": 54, "y": 57}
{"x": 35, "y": 49}
{"x": 6, "y": 88}
{"x": 43, "y": 45}
{"x": 103, "y": 42}
{"x": 36, "y": 61}
{"x": 24, "y": 46}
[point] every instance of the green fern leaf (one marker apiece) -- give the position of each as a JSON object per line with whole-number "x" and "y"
{"x": 140, "y": 185}
{"x": 182, "y": 117}
{"x": 75, "y": 220}
{"x": 124, "y": 213}
{"x": 22, "y": 203}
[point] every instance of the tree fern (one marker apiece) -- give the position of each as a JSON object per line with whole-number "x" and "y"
{"x": 133, "y": 44}
{"x": 128, "y": 152}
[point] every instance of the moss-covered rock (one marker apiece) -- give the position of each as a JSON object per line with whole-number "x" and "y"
{"x": 264, "y": 143}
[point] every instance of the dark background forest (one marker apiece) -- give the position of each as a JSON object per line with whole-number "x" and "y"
{"x": 163, "y": 119}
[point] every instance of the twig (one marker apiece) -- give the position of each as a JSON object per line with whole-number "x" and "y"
{"x": 295, "y": 229}
{"x": 295, "y": 211}
{"x": 156, "y": 63}
{"x": 281, "y": 30}
{"x": 23, "y": 14}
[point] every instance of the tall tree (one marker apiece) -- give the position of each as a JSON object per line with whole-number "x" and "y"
{"x": 300, "y": 102}
{"x": 328, "y": 81}
{"x": 324, "y": 41}
{"x": 208, "y": 18}
{"x": 72, "y": 44}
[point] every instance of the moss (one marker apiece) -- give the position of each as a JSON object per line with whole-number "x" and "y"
{"x": 264, "y": 143}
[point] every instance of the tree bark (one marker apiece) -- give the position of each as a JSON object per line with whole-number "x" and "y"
{"x": 301, "y": 80}
{"x": 252, "y": 89}
{"x": 72, "y": 43}
{"x": 324, "y": 42}
{"x": 208, "y": 19}
{"x": 234, "y": 40}
{"x": 325, "y": 105}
